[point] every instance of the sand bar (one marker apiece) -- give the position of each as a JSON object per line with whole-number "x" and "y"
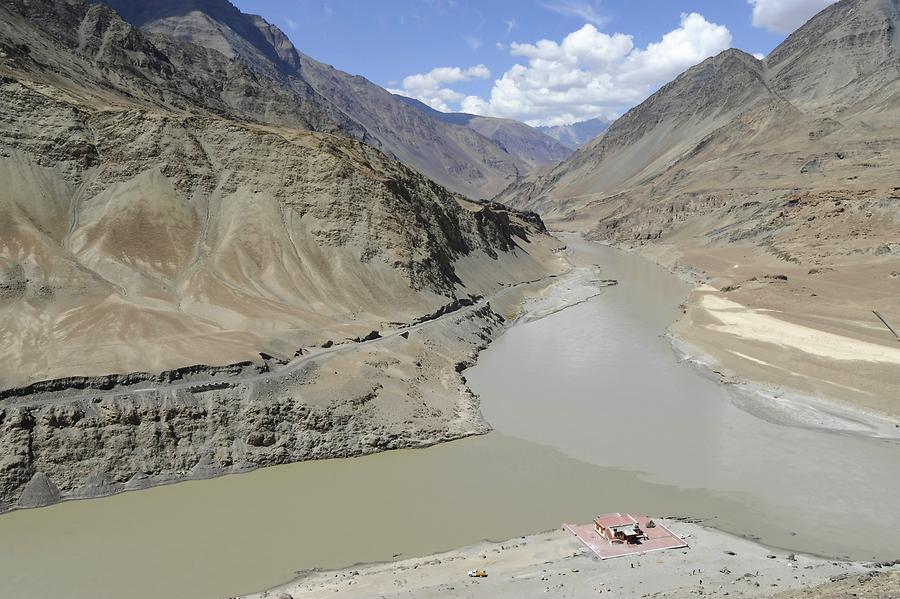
{"x": 737, "y": 319}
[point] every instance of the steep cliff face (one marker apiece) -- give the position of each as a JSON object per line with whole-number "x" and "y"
{"x": 90, "y": 437}
{"x": 456, "y": 157}
{"x": 154, "y": 217}
{"x": 77, "y": 45}
{"x": 217, "y": 25}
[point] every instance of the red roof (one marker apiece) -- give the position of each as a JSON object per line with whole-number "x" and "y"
{"x": 610, "y": 520}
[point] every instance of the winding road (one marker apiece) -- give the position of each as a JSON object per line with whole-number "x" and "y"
{"x": 63, "y": 397}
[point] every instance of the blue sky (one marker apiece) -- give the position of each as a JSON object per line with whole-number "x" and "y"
{"x": 600, "y": 56}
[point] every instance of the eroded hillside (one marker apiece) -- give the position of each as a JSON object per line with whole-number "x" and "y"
{"x": 150, "y": 223}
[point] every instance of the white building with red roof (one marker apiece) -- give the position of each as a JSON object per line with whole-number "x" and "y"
{"x": 618, "y": 528}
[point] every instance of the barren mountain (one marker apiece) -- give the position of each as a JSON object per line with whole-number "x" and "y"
{"x": 577, "y": 134}
{"x": 776, "y": 181}
{"x": 455, "y": 156}
{"x": 162, "y": 209}
{"x": 528, "y": 144}
{"x": 106, "y": 54}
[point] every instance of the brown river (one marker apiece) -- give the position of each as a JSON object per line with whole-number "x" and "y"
{"x": 593, "y": 413}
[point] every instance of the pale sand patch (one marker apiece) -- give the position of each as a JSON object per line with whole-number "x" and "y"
{"x": 579, "y": 285}
{"x": 739, "y": 320}
{"x": 793, "y": 373}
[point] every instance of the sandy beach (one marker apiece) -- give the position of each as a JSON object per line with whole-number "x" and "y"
{"x": 556, "y": 564}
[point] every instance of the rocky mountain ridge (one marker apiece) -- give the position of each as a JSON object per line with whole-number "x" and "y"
{"x": 577, "y": 134}
{"x": 528, "y": 144}
{"x": 733, "y": 125}
{"x": 164, "y": 206}
{"x": 458, "y": 157}
{"x": 102, "y": 52}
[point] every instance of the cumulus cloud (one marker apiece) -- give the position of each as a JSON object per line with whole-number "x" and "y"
{"x": 591, "y": 73}
{"x": 431, "y": 87}
{"x": 784, "y": 16}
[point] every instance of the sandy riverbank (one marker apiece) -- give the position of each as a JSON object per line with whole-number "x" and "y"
{"x": 558, "y": 565}
{"x": 803, "y": 330}
{"x": 807, "y": 349}
{"x": 800, "y": 345}
{"x": 780, "y": 404}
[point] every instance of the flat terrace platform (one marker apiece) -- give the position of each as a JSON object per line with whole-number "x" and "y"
{"x": 659, "y": 538}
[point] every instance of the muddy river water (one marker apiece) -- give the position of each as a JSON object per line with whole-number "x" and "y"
{"x": 593, "y": 412}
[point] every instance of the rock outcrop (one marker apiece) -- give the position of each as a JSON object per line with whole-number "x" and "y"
{"x": 166, "y": 204}
{"x": 90, "y": 440}
{"x": 457, "y": 157}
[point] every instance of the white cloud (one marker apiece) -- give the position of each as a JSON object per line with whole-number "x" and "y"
{"x": 510, "y": 25}
{"x": 592, "y": 73}
{"x": 759, "y": 56}
{"x": 431, "y": 87}
{"x": 580, "y": 9}
{"x": 784, "y": 16}
{"x": 473, "y": 42}
{"x": 291, "y": 23}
